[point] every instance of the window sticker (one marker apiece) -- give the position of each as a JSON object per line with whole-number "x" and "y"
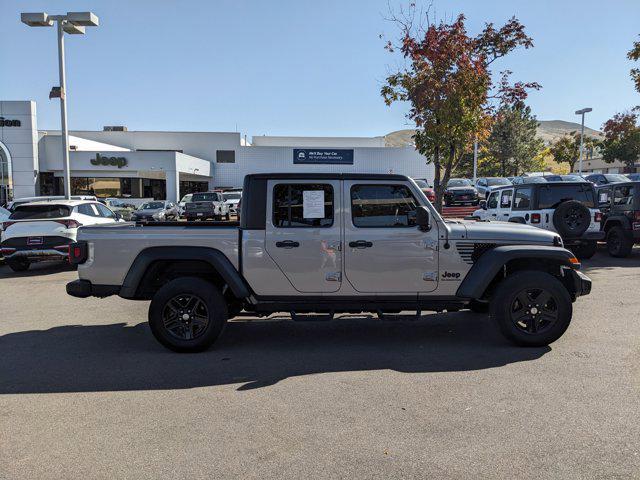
{"x": 313, "y": 204}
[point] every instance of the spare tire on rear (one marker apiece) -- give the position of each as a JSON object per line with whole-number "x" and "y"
{"x": 571, "y": 218}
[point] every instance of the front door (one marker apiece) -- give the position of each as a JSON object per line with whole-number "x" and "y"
{"x": 303, "y": 233}
{"x": 384, "y": 251}
{"x": 504, "y": 206}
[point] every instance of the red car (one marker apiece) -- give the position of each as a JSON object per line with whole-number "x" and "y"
{"x": 428, "y": 191}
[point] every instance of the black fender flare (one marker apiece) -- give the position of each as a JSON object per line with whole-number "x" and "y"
{"x": 489, "y": 264}
{"x": 612, "y": 221}
{"x": 212, "y": 256}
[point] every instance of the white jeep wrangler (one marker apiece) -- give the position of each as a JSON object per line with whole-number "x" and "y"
{"x": 567, "y": 208}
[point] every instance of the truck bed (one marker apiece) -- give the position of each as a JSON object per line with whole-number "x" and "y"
{"x": 114, "y": 247}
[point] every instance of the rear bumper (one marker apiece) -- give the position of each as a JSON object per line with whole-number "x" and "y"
{"x": 84, "y": 289}
{"x": 585, "y": 237}
{"x": 36, "y": 255}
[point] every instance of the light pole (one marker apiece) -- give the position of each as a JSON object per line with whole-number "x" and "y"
{"x": 582, "y": 112}
{"x": 72, "y": 23}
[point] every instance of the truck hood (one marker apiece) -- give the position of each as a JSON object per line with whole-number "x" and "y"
{"x": 503, "y": 232}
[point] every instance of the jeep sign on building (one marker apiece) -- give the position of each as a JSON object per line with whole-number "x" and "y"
{"x": 116, "y": 162}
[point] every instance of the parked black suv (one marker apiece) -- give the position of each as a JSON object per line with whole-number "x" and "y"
{"x": 620, "y": 205}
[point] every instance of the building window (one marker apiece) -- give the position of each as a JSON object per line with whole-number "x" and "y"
{"x": 225, "y": 156}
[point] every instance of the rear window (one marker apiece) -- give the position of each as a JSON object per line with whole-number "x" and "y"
{"x": 36, "y": 212}
{"x": 554, "y": 195}
{"x": 205, "y": 197}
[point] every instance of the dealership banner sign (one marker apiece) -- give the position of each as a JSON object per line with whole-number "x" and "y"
{"x": 321, "y": 156}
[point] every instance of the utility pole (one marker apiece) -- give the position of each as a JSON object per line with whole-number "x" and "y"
{"x": 582, "y": 112}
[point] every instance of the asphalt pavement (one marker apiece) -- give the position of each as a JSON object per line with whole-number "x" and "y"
{"x": 86, "y": 392}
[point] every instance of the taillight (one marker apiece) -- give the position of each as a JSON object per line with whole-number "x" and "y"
{"x": 6, "y": 225}
{"x": 597, "y": 217}
{"x": 536, "y": 218}
{"x": 636, "y": 215}
{"x": 69, "y": 223}
{"x": 78, "y": 252}
{"x": 7, "y": 251}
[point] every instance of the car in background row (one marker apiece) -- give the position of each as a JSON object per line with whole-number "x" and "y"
{"x": 620, "y": 205}
{"x": 182, "y": 204}
{"x": 634, "y": 177}
{"x": 206, "y": 205}
{"x": 606, "y": 178}
{"x": 460, "y": 191}
{"x": 119, "y": 206}
{"x": 232, "y": 199}
{"x": 4, "y": 214}
{"x": 485, "y": 185}
{"x": 156, "y": 211}
{"x": 40, "y": 231}
{"x": 426, "y": 189}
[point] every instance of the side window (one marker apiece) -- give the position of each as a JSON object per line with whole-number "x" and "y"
{"x": 604, "y": 197}
{"x": 86, "y": 209}
{"x": 522, "y": 198}
{"x": 623, "y": 195}
{"x": 302, "y": 205}
{"x": 382, "y": 206}
{"x": 104, "y": 211}
{"x": 493, "y": 200}
{"x": 505, "y": 198}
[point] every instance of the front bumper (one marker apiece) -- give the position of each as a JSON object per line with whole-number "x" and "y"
{"x": 84, "y": 288}
{"x": 579, "y": 283}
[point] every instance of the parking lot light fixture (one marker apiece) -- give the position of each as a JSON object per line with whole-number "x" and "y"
{"x": 582, "y": 112}
{"x": 73, "y": 23}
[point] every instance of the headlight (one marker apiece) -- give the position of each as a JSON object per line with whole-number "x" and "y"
{"x": 158, "y": 215}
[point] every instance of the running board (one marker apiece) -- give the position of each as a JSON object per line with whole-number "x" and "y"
{"x": 311, "y": 318}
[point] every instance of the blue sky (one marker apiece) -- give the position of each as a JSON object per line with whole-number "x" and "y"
{"x": 293, "y": 67}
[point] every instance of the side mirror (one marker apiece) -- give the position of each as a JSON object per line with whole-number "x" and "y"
{"x": 422, "y": 219}
{"x": 483, "y": 204}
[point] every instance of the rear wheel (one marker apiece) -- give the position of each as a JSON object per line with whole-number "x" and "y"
{"x": 19, "y": 265}
{"x": 531, "y": 308}
{"x": 187, "y": 314}
{"x": 619, "y": 243}
{"x": 585, "y": 250}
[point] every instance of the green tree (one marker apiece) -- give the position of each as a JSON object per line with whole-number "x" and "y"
{"x": 622, "y": 138}
{"x": 566, "y": 150}
{"x": 513, "y": 143}
{"x": 634, "y": 55}
{"x": 448, "y": 82}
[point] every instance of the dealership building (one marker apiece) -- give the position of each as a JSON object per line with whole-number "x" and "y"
{"x": 116, "y": 162}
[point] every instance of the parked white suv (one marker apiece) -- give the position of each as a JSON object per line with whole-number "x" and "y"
{"x": 41, "y": 231}
{"x": 568, "y": 208}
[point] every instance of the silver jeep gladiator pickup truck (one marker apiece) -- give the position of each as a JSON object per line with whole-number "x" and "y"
{"x": 329, "y": 243}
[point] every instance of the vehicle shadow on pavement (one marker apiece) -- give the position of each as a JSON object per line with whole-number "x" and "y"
{"x": 35, "y": 270}
{"x": 603, "y": 261}
{"x": 252, "y": 353}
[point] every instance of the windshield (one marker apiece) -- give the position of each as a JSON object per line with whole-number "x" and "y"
{"x": 35, "y": 212}
{"x": 151, "y": 206}
{"x": 615, "y": 177}
{"x": 572, "y": 178}
{"x": 555, "y": 194}
{"x": 498, "y": 181}
{"x": 421, "y": 183}
{"x": 186, "y": 198}
{"x": 553, "y": 178}
{"x": 459, "y": 182}
{"x": 534, "y": 180}
{"x": 232, "y": 196}
{"x": 205, "y": 197}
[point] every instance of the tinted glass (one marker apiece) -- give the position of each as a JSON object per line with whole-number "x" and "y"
{"x": 289, "y": 205}
{"x": 151, "y": 206}
{"x": 498, "y": 181}
{"x": 459, "y": 182}
{"x": 572, "y": 178}
{"x": 421, "y": 183}
{"x": 623, "y": 195}
{"x": 86, "y": 209}
{"x": 205, "y": 197}
{"x": 553, "y": 178}
{"x": 615, "y": 177}
{"x": 522, "y": 198}
{"x": 104, "y": 211}
{"x": 493, "y": 200}
{"x": 382, "y": 206}
{"x": 553, "y": 195}
{"x": 35, "y": 212}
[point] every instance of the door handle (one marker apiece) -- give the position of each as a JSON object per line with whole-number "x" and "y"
{"x": 287, "y": 244}
{"x": 361, "y": 244}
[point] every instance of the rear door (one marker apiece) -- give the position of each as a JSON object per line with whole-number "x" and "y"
{"x": 303, "y": 233}
{"x": 504, "y": 205}
{"x": 384, "y": 251}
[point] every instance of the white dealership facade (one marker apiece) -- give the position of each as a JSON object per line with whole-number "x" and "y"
{"x": 166, "y": 165}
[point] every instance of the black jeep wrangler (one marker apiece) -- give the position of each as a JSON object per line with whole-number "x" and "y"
{"x": 620, "y": 205}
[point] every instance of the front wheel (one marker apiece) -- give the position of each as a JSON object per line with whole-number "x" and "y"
{"x": 531, "y": 308}
{"x": 187, "y": 314}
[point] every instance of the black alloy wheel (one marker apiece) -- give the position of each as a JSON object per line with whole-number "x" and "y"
{"x": 185, "y": 317}
{"x": 534, "y": 311}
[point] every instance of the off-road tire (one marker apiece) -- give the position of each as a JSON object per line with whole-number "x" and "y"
{"x": 506, "y": 297}
{"x": 185, "y": 287}
{"x": 585, "y": 251}
{"x": 571, "y": 219}
{"x": 619, "y": 242}
{"x": 21, "y": 265}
